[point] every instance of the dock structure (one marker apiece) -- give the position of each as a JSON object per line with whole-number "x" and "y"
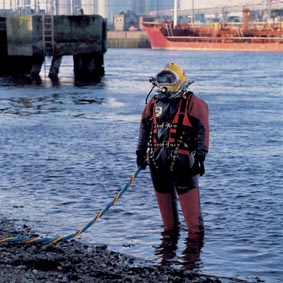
{"x": 25, "y": 41}
{"x": 127, "y": 39}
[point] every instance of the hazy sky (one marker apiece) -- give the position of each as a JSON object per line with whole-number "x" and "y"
{"x": 187, "y": 4}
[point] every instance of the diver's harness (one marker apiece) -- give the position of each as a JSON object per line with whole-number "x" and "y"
{"x": 181, "y": 121}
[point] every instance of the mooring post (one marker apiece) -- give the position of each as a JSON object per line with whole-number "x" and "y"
{"x": 55, "y": 66}
{"x": 36, "y": 65}
{"x": 89, "y": 67}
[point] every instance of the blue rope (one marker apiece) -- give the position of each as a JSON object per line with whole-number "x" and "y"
{"x": 83, "y": 229}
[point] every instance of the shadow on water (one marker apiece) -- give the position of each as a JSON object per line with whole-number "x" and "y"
{"x": 190, "y": 256}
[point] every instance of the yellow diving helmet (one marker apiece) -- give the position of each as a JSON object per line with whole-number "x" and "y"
{"x": 172, "y": 77}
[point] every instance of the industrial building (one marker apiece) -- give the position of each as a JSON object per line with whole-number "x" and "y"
{"x": 108, "y": 9}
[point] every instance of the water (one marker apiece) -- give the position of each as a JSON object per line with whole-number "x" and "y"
{"x": 66, "y": 150}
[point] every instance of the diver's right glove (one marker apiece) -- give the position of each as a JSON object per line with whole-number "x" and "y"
{"x": 141, "y": 159}
{"x": 198, "y": 166}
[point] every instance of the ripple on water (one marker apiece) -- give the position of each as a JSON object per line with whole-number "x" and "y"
{"x": 66, "y": 150}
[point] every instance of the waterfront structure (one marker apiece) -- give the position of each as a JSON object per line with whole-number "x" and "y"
{"x": 26, "y": 40}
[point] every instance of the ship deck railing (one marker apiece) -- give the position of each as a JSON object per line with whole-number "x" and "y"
{"x": 204, "y": 39}
{"x": 252, "y": 25}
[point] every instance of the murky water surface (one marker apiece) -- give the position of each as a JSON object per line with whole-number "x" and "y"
{"x": 66, "y": 150}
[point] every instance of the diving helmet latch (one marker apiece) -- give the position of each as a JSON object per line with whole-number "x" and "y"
{"x": 164, "y": 89}
{"x": 153, "y": 81}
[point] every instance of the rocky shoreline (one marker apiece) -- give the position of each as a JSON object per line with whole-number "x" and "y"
{"x": 73, "y": 261}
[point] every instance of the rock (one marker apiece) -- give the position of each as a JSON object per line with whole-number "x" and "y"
{"x": 72, "y": 261}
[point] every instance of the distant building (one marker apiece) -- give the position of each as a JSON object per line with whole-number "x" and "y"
{"x": 87, "y": 7}
{"x": 126, "y": 20}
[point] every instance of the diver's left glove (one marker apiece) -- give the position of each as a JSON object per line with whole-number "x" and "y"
{"x": 141, "y": 159}
{"x": 198, "y": 166}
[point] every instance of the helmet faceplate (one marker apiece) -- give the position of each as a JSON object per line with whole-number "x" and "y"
{"x": 172, "y": 77}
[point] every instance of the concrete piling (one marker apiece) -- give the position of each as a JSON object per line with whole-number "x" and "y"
{"x": 55, "y": 66}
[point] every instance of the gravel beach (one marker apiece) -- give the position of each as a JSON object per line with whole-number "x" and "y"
{"x": 73, "y": 261}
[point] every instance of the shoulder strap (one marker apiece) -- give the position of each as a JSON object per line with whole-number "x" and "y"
{"x": 185, "y": 102}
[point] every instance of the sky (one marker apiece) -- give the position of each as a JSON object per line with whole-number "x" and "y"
{"x": 185, "y": 4}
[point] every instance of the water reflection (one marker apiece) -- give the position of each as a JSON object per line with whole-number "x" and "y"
{"x": 49, "y": 81}
{"x": 190, "y": 257}
{"x": 24, "y": 80}
{"x": 169, "y": 244}
{"x": 42, "y": 104}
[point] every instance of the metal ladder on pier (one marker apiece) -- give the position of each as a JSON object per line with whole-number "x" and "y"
{"x": 48, "y": 34}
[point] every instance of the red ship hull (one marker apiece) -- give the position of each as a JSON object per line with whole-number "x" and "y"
{"x": 209, "y": 43}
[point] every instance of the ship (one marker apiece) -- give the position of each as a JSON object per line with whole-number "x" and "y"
{"x": 218, "y": 36}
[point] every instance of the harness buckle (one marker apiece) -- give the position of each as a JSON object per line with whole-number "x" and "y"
{"x": 166, "y": 144}
{"x": 166, "y": 125}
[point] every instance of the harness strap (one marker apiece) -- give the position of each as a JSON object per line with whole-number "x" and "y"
{"x": 176, "y": 128}
{"x": 179, "y": 137}
{"x": 183, "y": 113}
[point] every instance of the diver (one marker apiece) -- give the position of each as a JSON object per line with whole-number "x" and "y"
{"x": 173, "y": 141}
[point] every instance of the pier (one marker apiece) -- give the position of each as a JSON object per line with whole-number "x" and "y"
{"x": 127, "y": 39}
{"x": 25, "y": 41}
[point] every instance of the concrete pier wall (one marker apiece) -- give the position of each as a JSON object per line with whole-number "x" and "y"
{"x": 26, "y": 40}
{"x": 75, "y": 35}
{"x": 20, "y": 36}
{"x": 127, "y": 39}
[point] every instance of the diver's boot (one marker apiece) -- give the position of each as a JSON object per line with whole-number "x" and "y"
{"x": 190, "y": 205}
{"x": 167, "y": 204}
